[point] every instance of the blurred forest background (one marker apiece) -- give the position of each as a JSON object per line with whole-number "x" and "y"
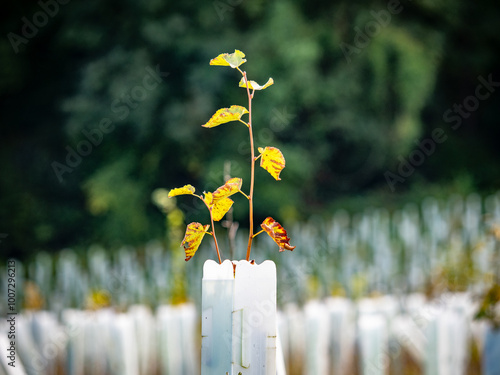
{"x": 345, "y": 109}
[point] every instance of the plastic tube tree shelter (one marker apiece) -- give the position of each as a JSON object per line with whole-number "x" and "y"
{"x": 239, "y": 318}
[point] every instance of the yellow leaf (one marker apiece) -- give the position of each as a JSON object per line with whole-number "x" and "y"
{"x": 277, "y": 233}
{"x": 186, "y": 189}
{"x": 208, "y": 198}
{"x": 224, "y": 115}
{"x": 272, "y": 160}
{"x": 233, "y": 60}
{"x": 254, "y": 85}
{"x": 220, "y": 207}
{"x": 231, "y": 187}
{"x": 193, "y": 237}
{"x": 218, "y": 202}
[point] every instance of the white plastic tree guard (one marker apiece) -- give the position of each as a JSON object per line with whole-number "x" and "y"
{"x": 373, "y": 342}
{"x": 4, "y": 361}
{"x": 295, "y": 337}
{"x": 447, "y": 338}
{"x": 29, "y": 356}
{"x": 342, "y": 327}
{"x": 177, "y": 339}
{"x": 317, "y": 338}
{"x": 74, "y": 322}
{"x": 238, "y": 318}
{"x": 144, "y": 324}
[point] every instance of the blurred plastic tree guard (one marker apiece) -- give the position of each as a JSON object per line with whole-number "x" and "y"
{"x": 490, "y": 308}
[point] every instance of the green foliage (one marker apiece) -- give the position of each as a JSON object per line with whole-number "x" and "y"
{"x": 107, "y": 190}
{"x": 340, "y": 123}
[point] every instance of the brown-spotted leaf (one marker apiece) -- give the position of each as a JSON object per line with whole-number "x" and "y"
{"x": 224, "y": 115}
{"x": 220, "y": 207}
{"x": 232, "y": 186}
{"x": 186, "y": 189}
{"x": 277, "y": 233}
{"x": 233, "y": 60}
{"x": 218, "y": 202}
{"x": 272, "y": 160}
{"x": 254, "y": 85}
{"x": 208, "y": 198}
{"x": 193, "y": 237}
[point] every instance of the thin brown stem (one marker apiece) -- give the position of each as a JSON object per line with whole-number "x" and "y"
{"x": 252, "y": 170}
{"x": 215, "y": 237}
{"x": 213, "y": 229}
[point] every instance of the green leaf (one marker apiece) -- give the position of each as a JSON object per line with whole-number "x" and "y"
{"x": 233, "y": 60}
{"x": 254, "y": 85}
{"x": 224, "y": 115}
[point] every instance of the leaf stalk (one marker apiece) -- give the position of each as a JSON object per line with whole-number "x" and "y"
{"x": 213, "y": 230}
